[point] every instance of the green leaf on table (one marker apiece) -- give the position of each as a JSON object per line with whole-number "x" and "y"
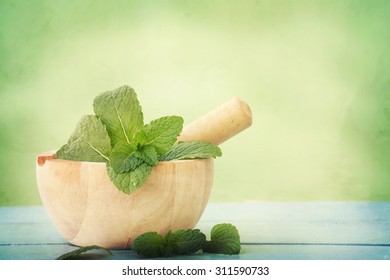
{"x": 185, "y": 242}
{"x": 181, "y": 242}
{"x": 160, "y": 133}
{"x": 192, "y": 150}
{"x": 225, "y": 239}
{"x": 121, "y": 112}
{"x": 89, "y": 142}
{"x": 149, "y": 245}
{"x": 75, "y": 254}
{"x": 129, "y": 181}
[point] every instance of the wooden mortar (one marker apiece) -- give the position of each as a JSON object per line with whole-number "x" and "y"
{"x": 87, "y": 209}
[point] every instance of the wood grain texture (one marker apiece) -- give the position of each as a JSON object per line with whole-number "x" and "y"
{"x": 87, "y": 208}
{"x": 220, "y": 124}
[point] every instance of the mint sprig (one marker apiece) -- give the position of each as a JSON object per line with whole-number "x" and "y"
{"x": 225, "y": 239}
{"x": 117, "y": 135}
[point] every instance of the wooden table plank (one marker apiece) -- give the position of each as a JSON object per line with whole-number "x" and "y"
{"x": 304, "y": 222}
{"x": 281, "y": 230}
{"x": 248, "y": 252}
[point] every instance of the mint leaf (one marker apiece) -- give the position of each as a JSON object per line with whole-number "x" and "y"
{"x": 225, "y": 239}
{"x": 123, "y": 158}
{"x": 148, "y": 154}
{"x": 121, "y": 112}
{"x": 149, "y": 245}
{"x": 181, "y": 242}
{"x": 75, "y": 254}
{"x": 130, "y": 164}
{"x": 160, "y": 133}
{"x": 89, "y": 142}
{"x": 129, "y": 181}
{"x": 185, "y": 242}
{"x": 192, "y": 150}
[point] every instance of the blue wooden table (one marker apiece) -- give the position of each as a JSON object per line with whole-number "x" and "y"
{"x": 269, "y": 230}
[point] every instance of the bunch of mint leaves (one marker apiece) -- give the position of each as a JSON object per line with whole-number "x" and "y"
{"x": 225, "y": 239}
{"x": 117, "y": 135}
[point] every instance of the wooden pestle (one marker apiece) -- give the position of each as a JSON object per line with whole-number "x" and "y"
{"x": 220, "y": 124}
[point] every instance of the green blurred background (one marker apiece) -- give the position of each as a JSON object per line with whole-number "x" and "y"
{"x": 315, "y": 73}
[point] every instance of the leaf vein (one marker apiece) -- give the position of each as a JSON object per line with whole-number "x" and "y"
{"x": 120, "y": 120}
{"x": 95, "y": 149}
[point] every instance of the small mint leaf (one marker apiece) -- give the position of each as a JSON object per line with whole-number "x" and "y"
{"x": 123, "y": 158}
{"x": 147, "y": 154}
{"x": 149, "y": 245}
{"x": 140, "y": 137}
{"x": 185, "y": 242}
{"x": 75, "y": 254}
{"x": 160, "y": 133}
{"x": 129, "y": 181}
{"x": 120, "y": 152}
{"x": 225, "y": 239}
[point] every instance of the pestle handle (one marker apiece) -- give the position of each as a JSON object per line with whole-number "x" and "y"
{"x": 220, "y": 124}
